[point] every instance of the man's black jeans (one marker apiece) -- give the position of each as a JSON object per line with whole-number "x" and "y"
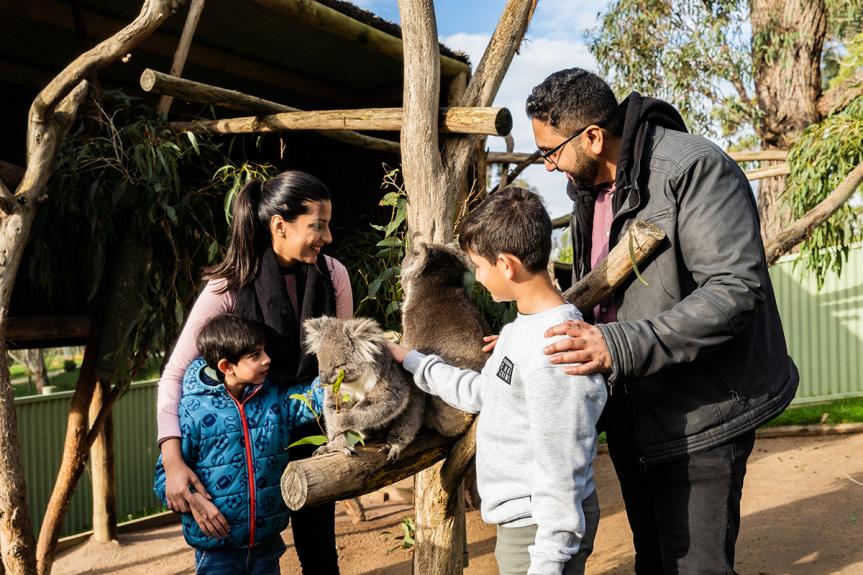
{"x": 684, "y": 514}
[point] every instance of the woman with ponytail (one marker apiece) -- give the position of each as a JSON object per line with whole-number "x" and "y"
{"x": 273, "y": 273}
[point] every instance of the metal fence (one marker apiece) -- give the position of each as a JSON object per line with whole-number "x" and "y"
{"x": 824, "y": 332}
{"x": 42, "y": 429}
{"x": 824, "y": 329}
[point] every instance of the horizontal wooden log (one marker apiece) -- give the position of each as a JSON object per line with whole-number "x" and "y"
{"x": 744, "y": 156}
{"x": 34, "y": 329}
{"x": 166, "y": 84}
{"x": 487, "y": 121}
{"x": 601, "y": 282}
{"x": 335, "y": 476}
{"x": 769, "y": 172}
{"x": 318, "y": 15}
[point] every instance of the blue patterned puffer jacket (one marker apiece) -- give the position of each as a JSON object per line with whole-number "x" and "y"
{"x": 238, "y": 450}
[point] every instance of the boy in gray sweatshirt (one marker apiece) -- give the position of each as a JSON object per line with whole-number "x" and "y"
{"x": 536, "y": 436}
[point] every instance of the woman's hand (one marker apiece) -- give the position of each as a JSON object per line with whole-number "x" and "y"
{"x": 178, "y": 478}
{"x": 399, "y": 352}
{"x": 208, "y": 517}
{"x": 490, "y": 342}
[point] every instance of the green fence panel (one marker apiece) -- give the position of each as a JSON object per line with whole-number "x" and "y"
{"x": 824, "y": 330}
{"x": 42, "y": 429}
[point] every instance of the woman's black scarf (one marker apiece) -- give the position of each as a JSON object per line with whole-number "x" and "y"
{"x": 266, "y": 300}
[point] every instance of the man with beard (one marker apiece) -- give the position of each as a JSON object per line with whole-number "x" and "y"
{"x": 694, "y": 355}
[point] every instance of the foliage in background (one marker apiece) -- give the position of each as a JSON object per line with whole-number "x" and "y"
{"x": 700, "y": 55}
{"x": 122, "y": 176}
{"x": 819, "y": 161}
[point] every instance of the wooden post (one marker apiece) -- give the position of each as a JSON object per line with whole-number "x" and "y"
{"x": 153, "y": 81}
{"x": 102, "y": 466}
{"x": 491, "y": 121}
{"x": 195, "y": 9}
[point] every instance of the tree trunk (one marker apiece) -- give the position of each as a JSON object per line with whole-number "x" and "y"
{"x": 75, "y": 451}
{"x": 787, "y": 77}
{"x": 102, "y": 466}
{"x": 37, "y": 367}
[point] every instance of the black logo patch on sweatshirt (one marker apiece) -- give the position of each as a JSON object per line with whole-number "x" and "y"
{"x": 505, "y": 370}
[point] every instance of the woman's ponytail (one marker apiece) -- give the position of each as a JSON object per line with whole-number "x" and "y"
{"x": 247, "y": 238}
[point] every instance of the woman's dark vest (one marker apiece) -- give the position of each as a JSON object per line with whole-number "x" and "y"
{"x": 266, "y": 300}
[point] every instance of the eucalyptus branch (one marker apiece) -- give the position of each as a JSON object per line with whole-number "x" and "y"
{"x": 802, "y": 228}
{"x": 836, "y": 98}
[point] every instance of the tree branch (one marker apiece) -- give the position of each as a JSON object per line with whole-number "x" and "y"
{"x": 835, "y": 99}
{"x": 802, "y": 228}
{"x": 152, "y": 14}
{"x": 7, "y": 200}
{"x": 485, "y": 83}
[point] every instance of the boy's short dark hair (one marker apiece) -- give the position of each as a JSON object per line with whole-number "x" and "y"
{"x": 512, "y": 221}
{"x": 571, "y": 99}
{"x": 229, "y": 337}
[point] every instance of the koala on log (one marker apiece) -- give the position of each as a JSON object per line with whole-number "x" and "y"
{"x": 382, "y": 397}
{"x": 438, "y": 318}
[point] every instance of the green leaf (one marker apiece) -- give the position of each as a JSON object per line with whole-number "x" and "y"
{"x": 194, "y": 141}
{"x": 311, "y": 440}
{"x": 346, "y": 397}
{"x": 304, "y": 399}
{"x": 337, "y": 384}
{"x": 354, "y": 437}
{"x": 632, "y": 258}
{"x": 390, "y": 242}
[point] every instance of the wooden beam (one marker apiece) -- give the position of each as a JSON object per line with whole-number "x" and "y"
{"x": 489, "y": 121}
{"x": 56, "y": 13}
{"x": 196, "y": 8}
{"x": 160, "y": 83}
{"x": 36, "y": 329}
{"x": 747, "y": 156}
{"x": 771, "y": 172}
{"x": 317, "y": 15}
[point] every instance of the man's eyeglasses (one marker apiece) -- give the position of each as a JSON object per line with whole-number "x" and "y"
{"x": 547, "y": 156}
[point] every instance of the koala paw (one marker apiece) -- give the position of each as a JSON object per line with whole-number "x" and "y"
{"x": 392, "y": 450}
{"x": 337, "y": 445}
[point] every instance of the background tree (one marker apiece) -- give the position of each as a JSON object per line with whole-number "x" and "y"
{"x": 756, "y": 72}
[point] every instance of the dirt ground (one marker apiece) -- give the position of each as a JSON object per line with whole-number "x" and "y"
{"x": 802, "y": 515}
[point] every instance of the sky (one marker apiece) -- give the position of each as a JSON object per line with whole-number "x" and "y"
{"x": 554, "y": 41}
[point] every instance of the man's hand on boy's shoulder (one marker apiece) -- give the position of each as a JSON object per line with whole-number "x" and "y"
{"x": 208, "y": 517}
{"x": 583, "y": 345}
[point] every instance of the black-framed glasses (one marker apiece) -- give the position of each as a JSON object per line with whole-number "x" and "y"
{"x": 547, "y": 156}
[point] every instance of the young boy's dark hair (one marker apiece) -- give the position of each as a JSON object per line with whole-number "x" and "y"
{"x": 229, "y": 337}
{"x": 512, "y": 221}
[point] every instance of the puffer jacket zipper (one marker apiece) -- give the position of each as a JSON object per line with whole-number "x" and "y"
{"x": 250, "y": 462}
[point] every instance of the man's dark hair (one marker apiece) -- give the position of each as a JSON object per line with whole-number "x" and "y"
{"x": 229, "y": 337}
{"x": 571, "y": 99}
{"x": 512, "y": 221}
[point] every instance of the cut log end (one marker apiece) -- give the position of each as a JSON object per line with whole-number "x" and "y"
{"x": 148, "y": 80}
{"x": 503, "y": 122}
{"x": 295, "y": 487}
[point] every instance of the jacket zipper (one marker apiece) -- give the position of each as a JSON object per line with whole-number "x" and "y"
{"x": 250, "y": 466}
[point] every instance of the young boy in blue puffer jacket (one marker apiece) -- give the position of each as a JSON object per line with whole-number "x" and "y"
{"x": 235, "y": 431}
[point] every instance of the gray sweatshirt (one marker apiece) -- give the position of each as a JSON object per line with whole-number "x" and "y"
{"x": 536, "y": 436}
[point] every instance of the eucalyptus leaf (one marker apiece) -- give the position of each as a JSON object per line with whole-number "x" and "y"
{"x": 310, "y": 440}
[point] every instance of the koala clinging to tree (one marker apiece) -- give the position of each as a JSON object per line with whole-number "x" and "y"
{"x": 382, "y": 397}
{"x": 439, "y": 318}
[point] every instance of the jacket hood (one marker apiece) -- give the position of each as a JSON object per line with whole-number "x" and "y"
{"x": 640, "y": 112}
{"x": 201, "y": 380}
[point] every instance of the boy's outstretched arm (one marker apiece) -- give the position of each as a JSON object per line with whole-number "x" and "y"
{"x": 562, "y": 414}
{"x": 460, "y": 388}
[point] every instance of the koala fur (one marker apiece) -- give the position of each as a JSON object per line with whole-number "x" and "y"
{"x": 383, "y": 399}
{"x": 438, "y": 318}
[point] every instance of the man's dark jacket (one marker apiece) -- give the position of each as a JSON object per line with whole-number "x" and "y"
{"x": 699, "y": 352}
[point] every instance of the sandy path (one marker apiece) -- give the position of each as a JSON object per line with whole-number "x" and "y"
{"x": 802, "y": 515}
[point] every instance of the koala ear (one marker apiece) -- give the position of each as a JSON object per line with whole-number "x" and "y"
{"x": 366, "y": 335}
{"x": 314, "y": 333}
